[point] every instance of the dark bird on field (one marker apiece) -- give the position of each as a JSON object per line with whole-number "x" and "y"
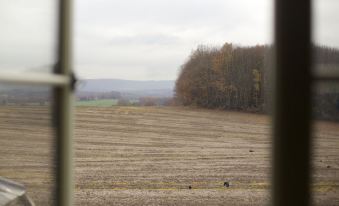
{"x": 226, "y": 184}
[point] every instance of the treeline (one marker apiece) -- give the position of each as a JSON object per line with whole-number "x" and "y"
{"x": 87, "y": 96}
{"x": 27, "y": 96}
{"x": 147, "y": 101}
{"x": 240, "y": 78}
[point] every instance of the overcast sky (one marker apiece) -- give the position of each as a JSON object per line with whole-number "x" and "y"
{"x": 150, "y": 39}
{"x": 141, "y": 39}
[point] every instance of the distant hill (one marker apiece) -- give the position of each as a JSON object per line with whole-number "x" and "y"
{"x": 139, "y": 88}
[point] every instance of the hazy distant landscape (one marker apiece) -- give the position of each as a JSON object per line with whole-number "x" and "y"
{"x": 119, "y": 85}
{"x": 110, "y": 92}
{"x": 96, "y": 92}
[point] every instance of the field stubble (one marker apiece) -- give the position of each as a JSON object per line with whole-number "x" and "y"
{"x": 151, "y": 155}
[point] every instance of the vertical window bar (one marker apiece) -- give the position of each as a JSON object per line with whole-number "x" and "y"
{"x": 291, "y": 123}
{"x": 63, "y": 109}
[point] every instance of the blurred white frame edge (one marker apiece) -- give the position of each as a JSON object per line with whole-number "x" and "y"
{"x": 13, "y": 194}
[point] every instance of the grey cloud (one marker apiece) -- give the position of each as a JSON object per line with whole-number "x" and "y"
{"x": 27, "y": 36}
{"x": 157, "y": 36}
{"x": 326, "y": 29}
{"x": 147, "y": 39}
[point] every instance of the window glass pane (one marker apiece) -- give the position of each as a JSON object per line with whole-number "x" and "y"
{"x": 28, "y": 35}
{"x": 27, "y": 143}
{"x": 138, "y": 155}
{"x": 137, "y": 140}
{"x": 326, "y": 36}
{"x": 326, "y": 144}
{"x": 326, "y": 104}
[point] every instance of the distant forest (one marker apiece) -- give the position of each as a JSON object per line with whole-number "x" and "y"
{"x": 240, "y": 78}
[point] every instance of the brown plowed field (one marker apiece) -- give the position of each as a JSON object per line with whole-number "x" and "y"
{"x": 150, "y": 156}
